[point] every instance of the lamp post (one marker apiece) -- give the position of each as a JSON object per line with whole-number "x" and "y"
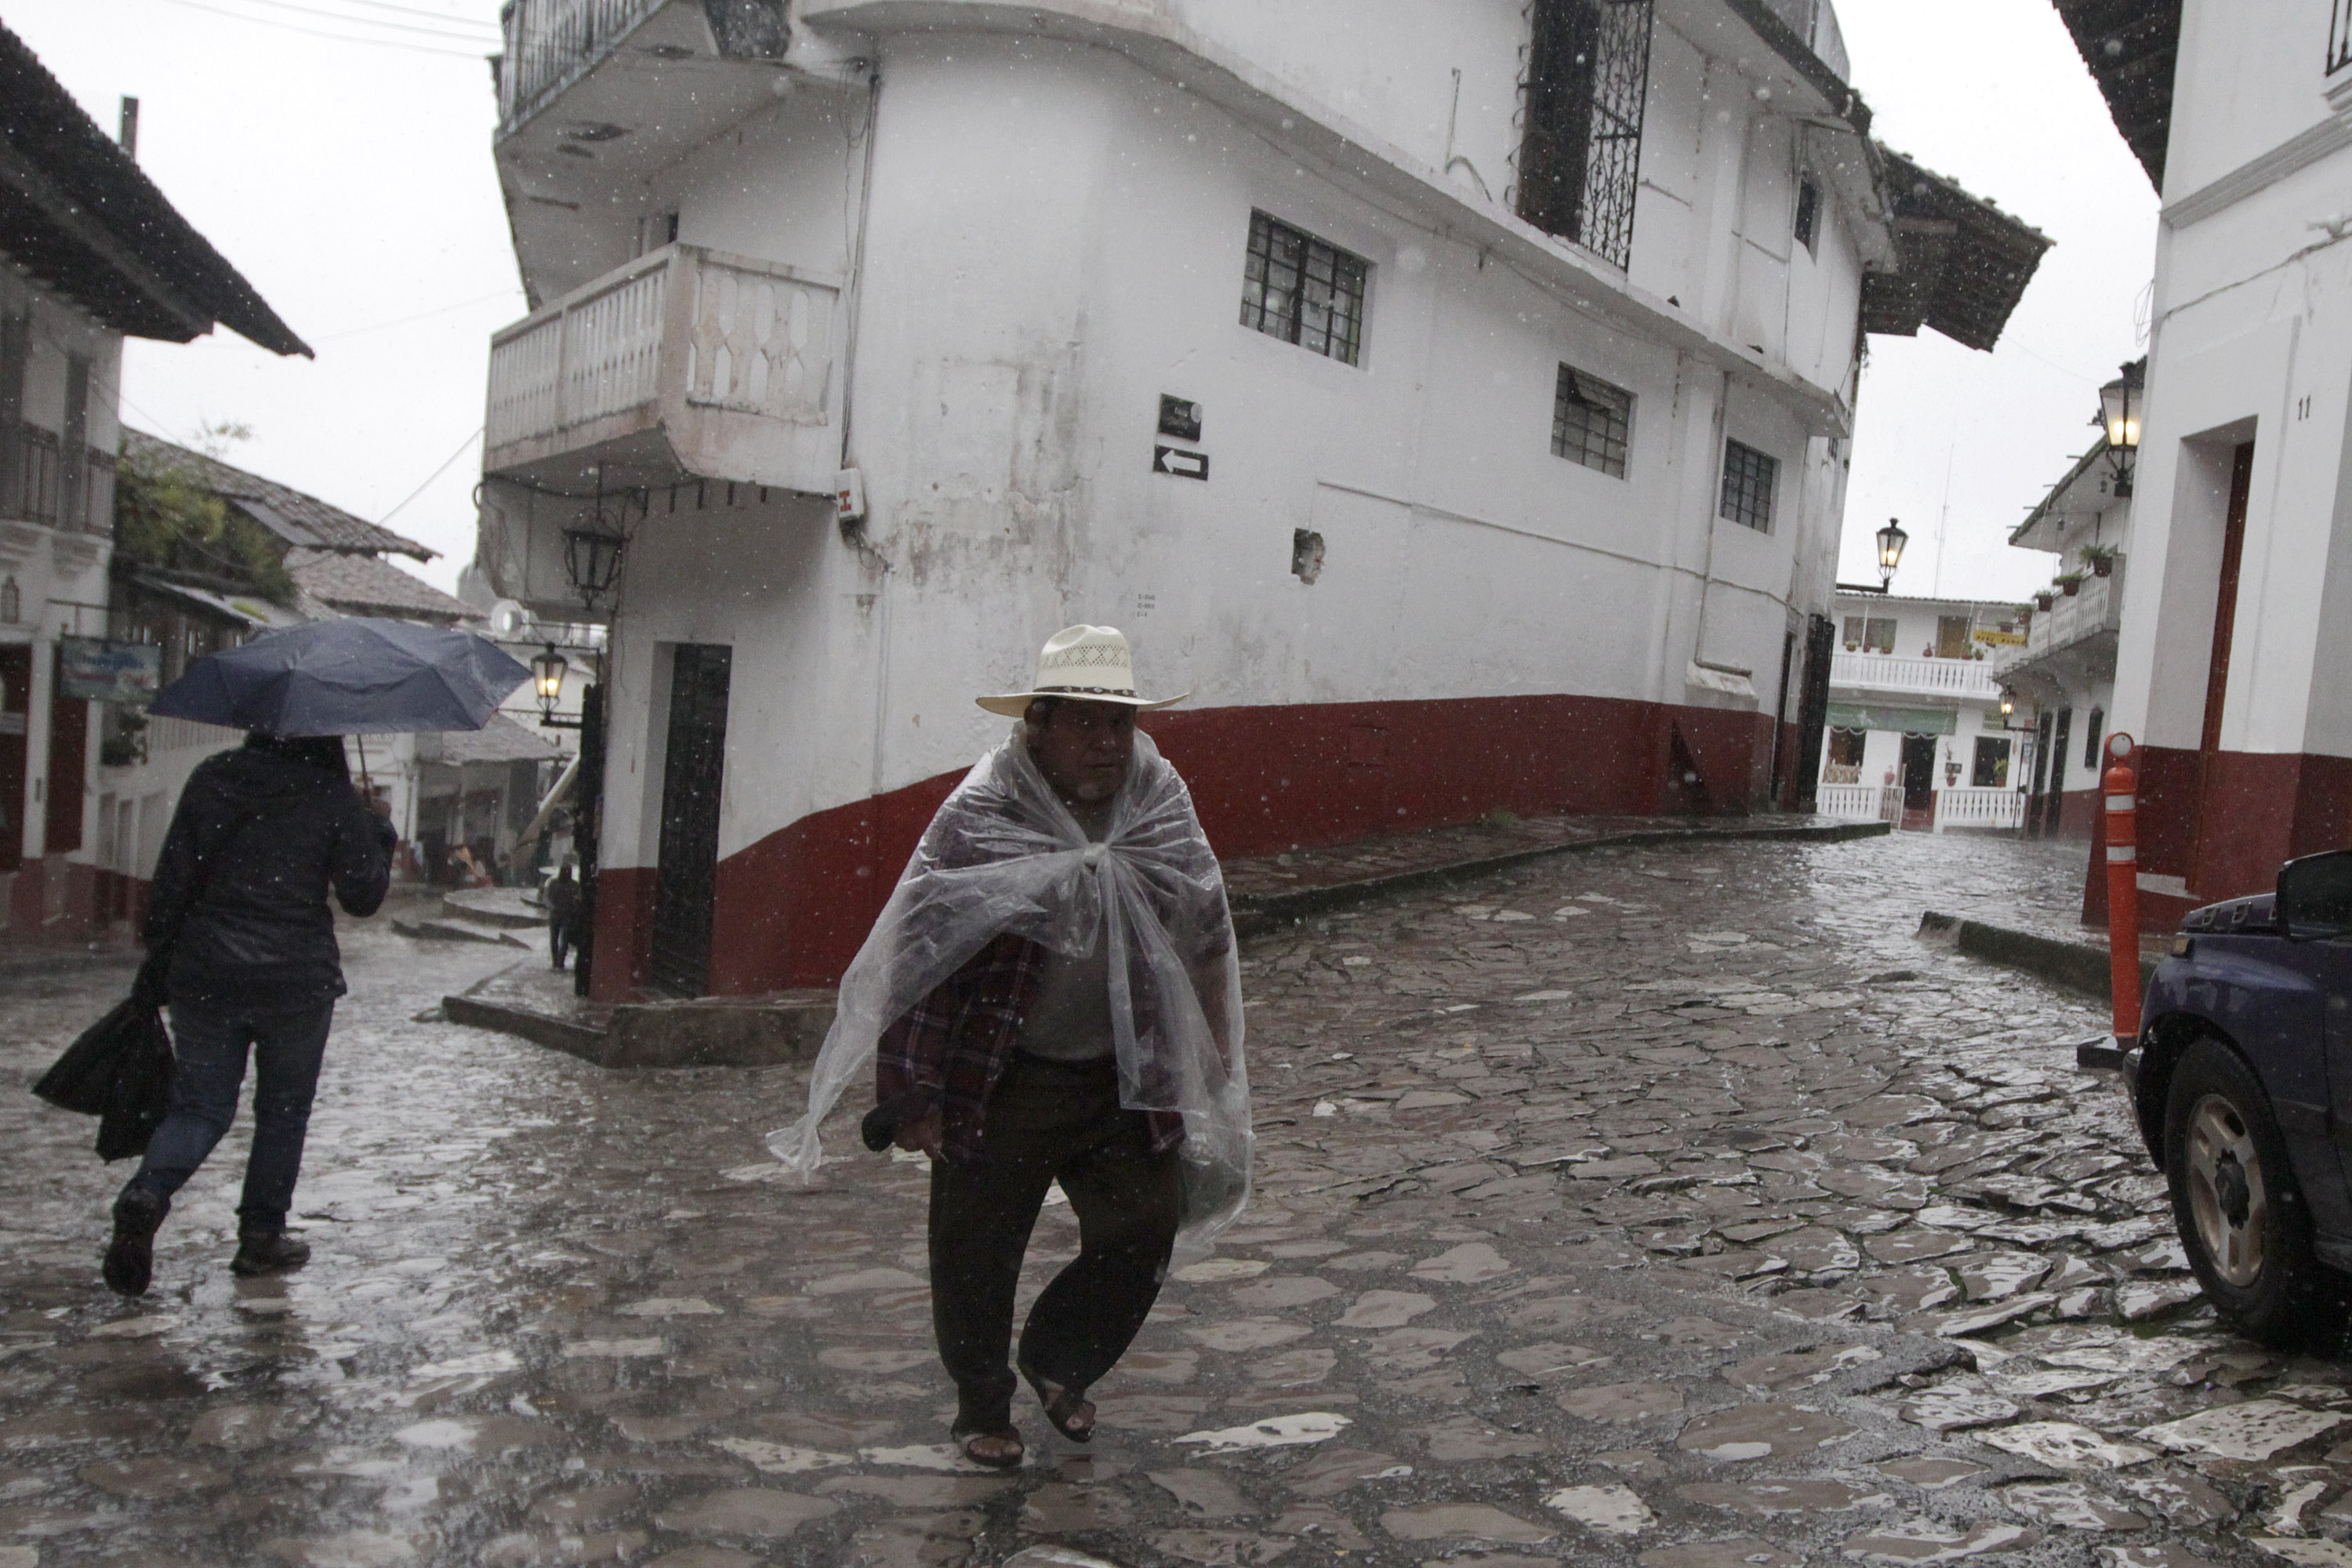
{"x": 1891, "y": 541}
{"x": 2120, "y": 417}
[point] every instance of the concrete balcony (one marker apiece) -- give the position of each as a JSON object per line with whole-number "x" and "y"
{"x": 686, "y": 364}
{"x": 2074, "y": 632}
{"x": 1951, "y": 680}
{"x": 555, "y": 46}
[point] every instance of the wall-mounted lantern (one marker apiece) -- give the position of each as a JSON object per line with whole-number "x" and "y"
{"x": 547, "y": 672}
{"x": 2119, "y": 416}
{"x": 593, "y": 559}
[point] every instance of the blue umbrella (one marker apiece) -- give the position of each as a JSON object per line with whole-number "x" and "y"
{"x": 352, "y": 676}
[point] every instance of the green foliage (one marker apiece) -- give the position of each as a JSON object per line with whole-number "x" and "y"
{"x": 165, "y": 515}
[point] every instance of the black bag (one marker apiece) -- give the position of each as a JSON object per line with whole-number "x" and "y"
{"x": 120, "y": 1072}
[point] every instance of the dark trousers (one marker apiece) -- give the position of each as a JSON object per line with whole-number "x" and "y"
{"x": 211, "y": 1042}
{"x": 1049, "y": 1121}
{"x": 558, "y": 940}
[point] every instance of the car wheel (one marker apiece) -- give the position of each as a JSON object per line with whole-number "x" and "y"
{"x": 2240, "y": 1216}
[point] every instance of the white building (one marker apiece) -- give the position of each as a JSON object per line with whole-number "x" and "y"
{"x": 1456, "y": 399}
{"x": 2237, "y": 611}
{"x": 90, "y": 253}
{"x": 2063, "y": 674}
{"x": 1916, "y": 735}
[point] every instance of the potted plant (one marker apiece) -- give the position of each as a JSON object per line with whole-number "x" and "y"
{"x": 2044, "y": 598}
{"x": 2070, "y": 583}
{"x": 2100, "y": 559}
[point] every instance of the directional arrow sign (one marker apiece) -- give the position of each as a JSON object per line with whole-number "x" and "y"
{"x": 1176, "y": 460}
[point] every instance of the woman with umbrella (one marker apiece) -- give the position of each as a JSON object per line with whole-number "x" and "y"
{"x": 240, "y": 939}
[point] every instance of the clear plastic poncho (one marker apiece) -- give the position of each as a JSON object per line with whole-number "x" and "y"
{"x": 1004, "y": 854}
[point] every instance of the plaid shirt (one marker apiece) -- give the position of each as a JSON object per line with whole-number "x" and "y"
{"x": 951, "y": 1049}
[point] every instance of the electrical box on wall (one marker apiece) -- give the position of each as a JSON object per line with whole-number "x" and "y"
{"x": 849, "y": 495}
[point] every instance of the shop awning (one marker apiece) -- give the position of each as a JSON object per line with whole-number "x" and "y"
{"x": 1909, "y": 721}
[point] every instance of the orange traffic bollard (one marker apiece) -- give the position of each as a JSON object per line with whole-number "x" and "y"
{"x": 2122, "y": 786}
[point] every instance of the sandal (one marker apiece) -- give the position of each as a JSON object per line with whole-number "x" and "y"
{"x": 989, "y": 1449}
{"x": 1072, "y": 1414}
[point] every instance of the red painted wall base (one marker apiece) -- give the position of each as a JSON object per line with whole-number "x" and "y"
{"x": 792, "y": 909}
{"x": 2224, "y": 826}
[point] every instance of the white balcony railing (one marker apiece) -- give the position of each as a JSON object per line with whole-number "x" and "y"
{"x": 1947, "y": 677}
{"x": 1859, "y": 803}
{"x": 728, "y": 358}
{"x": 2098, "y": 607}
{"x": 1980, "y": 807}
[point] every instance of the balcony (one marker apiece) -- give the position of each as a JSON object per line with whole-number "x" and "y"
{"x": 2080, "y": 630}
{"x": 686, "y": 364}
{"x": 1952, "y": 679}
{"x": 553, "y": 44}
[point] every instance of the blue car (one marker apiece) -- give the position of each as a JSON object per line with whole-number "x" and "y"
{"x": 2242, "y": 1083}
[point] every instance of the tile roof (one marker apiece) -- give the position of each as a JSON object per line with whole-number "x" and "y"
{"x": 369, "y": 586}
{"x": 77, "y": 213}
{"x": 500, "y": 740}
{"x": 295, "y": 517}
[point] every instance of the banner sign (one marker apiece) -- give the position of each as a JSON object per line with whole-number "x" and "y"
{"x": 2000, "y": 639}
{"x": 98, "y": 669}
{"x": 1906, "y": 720}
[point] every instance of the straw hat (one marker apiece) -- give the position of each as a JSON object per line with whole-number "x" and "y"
{"x": 1086, "y": 664}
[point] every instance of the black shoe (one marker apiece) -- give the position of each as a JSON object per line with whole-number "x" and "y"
{"x": 130, "y": 1255}
{"x": 260, "y": 1251}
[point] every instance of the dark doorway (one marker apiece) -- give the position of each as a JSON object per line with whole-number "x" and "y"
{"x": 1918, "y": 773}
{"x": 15, "y": 701}
{"x": 1813, "y": 713}
{"x": 692, "y": 773}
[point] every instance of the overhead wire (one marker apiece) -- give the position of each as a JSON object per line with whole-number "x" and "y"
{"x": 479, "y": 34}
{"x": 413, "y": 11}
{"x": 322, "y": 33}
{"x": 462, "y": 445}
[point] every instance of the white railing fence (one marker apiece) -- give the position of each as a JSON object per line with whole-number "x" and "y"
{"x": 180, "y": 734}
{"x": 756, "y": 339}
{"x": 2097, "y": 608}
{"x": 1980, "y": 807}
{"x": 1891, "y": 672}
{"x": 762, "y": 342}
{"x": 1859, "y": 803}
{"x": 595, "y": 352}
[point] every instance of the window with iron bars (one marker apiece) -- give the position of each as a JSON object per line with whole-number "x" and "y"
{"x": 1591, "y": 421}
{"x": 1303, "y": 290}
{"x": 1580, "y": 157}
{"x": 1749, "y": 476}
{"x": 2339, "y": 36}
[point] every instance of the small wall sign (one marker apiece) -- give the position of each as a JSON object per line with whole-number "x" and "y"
{"x": 1176, "y": 460}
{"x": 99, "y": 669}
{"x": 1180, "y": 418}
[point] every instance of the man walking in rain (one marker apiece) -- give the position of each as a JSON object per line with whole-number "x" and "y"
{"x": 1052, "y": 994}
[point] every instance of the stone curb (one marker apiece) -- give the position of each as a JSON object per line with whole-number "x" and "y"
{"x": 707, "y": 1032}
{"x": 2073, "y": 965}
{"x": 1256, "y": 913}
{"x": 65, "y": 964}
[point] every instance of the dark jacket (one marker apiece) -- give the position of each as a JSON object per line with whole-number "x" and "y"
{"x": 240, "y": 891}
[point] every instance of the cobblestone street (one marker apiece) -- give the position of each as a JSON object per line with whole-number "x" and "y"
{"x": 1677, "y": 1206}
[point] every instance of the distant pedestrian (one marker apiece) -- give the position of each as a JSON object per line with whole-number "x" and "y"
{"x": 241, "y": 944}
{"x": 562, "y": 903}
{"x": 1054, "y": 993}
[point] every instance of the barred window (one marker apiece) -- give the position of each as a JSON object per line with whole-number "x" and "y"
{"x": 1809, "y": 210}
{"x": 1749, "y": 476}
{"x": 1590, "y": 421}
{"x": 1303, "y": 290}
{"x": 1579, "y": 159}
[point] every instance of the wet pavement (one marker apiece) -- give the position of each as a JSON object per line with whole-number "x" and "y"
{"x": 1675, "y": 1206}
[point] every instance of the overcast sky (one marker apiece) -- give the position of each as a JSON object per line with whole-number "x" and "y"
{"x": 338, "y": 152}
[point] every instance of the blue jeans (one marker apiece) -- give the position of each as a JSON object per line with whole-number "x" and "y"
{"x": 211, "y": 1041}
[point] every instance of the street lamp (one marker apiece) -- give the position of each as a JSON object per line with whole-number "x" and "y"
{"x": 1891, "y": 541}
{"x": 2119, "y": 416}
{"x": 2008, "y": 705}
{"x": 547, "y": 673}
{"x": 593, "y": 559}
